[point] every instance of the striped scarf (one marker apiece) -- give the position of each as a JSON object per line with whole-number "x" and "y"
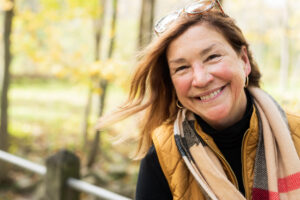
{"x": 277, "y": 165}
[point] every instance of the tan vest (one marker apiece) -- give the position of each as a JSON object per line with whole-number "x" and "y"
{"x": 181, "y": 182}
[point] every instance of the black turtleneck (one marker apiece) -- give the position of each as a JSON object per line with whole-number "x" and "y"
{"x": 229, "y": 140}
{"x": 152, "y": 184}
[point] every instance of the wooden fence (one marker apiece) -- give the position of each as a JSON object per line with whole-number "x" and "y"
{"x": 61, "y": 177}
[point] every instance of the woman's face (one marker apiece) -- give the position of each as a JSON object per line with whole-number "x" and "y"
{"x": 208, "y": 75}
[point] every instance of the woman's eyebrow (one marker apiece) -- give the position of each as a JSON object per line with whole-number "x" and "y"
{"x": 208, "y": 49}
{"x": 202, "y": 53}
{"x": 176, "y": 61}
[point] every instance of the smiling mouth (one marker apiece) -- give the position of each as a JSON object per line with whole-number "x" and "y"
{"x": 211, "y": 95}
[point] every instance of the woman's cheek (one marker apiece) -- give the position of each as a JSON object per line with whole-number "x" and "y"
{"x": 225, "y": 71}
{"x": 182, "y": 85}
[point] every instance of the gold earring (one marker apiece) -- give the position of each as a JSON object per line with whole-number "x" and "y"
{"x": 178, "y": 104}
{"x": 247, "y": 82}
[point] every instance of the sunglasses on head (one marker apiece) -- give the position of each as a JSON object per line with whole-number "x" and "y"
{"x": 194, "y": 8}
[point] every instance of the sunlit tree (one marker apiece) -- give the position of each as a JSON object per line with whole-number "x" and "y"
{"x": 7, "y": 7}
{"x": 146, "y": 22}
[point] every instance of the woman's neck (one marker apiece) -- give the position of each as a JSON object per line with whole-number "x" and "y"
{"x": 235, "y": 129}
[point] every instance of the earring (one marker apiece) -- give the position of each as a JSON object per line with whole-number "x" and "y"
{"x": 178, "y": 104}
{"x": 247, "y": 82}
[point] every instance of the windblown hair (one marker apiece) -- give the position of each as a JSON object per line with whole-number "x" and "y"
{"x": 151, "y": 87}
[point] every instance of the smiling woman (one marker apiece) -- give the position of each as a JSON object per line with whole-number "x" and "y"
{"x": 209, "y": 131}
{"x": 209, "y": 76}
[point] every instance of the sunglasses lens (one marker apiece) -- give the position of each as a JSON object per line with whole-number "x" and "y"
{"x": 164, "y": 23}
{"x": 199, "y": 7}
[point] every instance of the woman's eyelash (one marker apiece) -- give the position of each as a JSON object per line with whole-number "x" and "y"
{"x": 180, "y": 68}
{"x": 213, "y": 56}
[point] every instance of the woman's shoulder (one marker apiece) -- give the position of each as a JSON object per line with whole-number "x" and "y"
{"x": 164, "y": 142}
{"x": 294, "y": 123}
{"x": 163, "y": 132}
{"x": 152, "y": 184}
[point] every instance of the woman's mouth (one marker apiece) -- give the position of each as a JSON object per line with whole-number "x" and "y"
{"x": 210, "y": 96}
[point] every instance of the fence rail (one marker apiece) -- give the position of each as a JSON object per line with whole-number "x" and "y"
{"x": 20, "y": 162}
{"x": 73, "y": 183}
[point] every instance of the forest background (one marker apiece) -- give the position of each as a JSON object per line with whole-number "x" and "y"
{"x": 69, "y": 61}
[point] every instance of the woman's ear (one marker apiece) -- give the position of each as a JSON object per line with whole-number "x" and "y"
{"x": 245, "y": 59}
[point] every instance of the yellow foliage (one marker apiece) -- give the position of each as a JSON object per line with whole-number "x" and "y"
{"x": 87, "y": 8}
{"x": 51, "y": 4}
{"x": 78, "y": 54}
{"x": 38, "y": 58}
{"x": 94, "y": 69}
{"x": 98, "y": 91}
{"x": 58, "y": 70}
{"x": 107, "y": 71}
{"x": 6, "y": 5}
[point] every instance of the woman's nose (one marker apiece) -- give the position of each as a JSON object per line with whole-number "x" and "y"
{"x": 201, "y": 76}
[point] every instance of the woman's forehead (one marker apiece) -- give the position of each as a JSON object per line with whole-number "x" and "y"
{"x": 200, "y": 36}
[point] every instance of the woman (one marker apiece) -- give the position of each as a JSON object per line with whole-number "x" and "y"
{"x": 209, "y": 131}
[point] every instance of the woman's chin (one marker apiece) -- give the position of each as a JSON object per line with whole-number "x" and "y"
{"x": 216, "y": 118}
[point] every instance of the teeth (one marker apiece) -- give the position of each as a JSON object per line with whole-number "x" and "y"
{"x": 211, "y": 95}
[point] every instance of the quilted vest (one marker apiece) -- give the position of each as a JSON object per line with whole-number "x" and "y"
{"x": 182, "y": 183}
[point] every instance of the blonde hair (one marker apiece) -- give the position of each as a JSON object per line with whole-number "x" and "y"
{"x": 151, "y": 87}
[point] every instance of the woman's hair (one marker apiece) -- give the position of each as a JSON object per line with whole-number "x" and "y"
{"x": 151, "y": 88}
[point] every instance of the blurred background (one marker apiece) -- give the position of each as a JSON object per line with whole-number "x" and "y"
{"x": 64, "y": 63}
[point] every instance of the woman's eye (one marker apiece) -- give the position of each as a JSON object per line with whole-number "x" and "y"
{"x": 180, "y": 68}
{"x": 213, "y": 56}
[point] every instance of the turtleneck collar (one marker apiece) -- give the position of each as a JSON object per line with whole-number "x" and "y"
{"x": 232, "y": 136}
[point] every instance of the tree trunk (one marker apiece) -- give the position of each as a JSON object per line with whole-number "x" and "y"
{"x": 103, "y": 85}
{"x": 146, "y": 23}
{"x": 284, "y": 58}
{"x": 98, "y": 26}
{"x": 113, "y": 29}
{"x": 4, "y": 136}
{"x": 87, "y": 111}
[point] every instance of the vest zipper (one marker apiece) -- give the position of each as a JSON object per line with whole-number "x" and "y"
{"x": 244, "y": 174}
{"x": 227, "y": 165}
